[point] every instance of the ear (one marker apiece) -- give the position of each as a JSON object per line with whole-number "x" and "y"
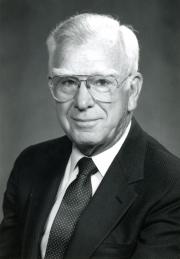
{"x": 135, "y": 86}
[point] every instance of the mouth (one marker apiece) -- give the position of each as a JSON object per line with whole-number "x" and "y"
{"x": 85, "y": 123}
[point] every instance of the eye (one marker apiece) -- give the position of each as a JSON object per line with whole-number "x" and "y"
{"x": 102, "y": 82}
{"x": 67, "y": 82}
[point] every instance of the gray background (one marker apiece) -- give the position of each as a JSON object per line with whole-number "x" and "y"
{"x": 27, "y": 113}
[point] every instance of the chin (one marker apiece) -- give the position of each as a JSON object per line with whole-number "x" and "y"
{"x": 86, "y": 138}
{"x": 89, "y": 141}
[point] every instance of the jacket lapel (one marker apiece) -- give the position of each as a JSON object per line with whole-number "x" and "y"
{"x": 42, "y": 198}
{"x": 112, "y": 199}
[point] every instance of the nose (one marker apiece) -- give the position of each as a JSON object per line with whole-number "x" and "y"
{"x": 83, "y": 99}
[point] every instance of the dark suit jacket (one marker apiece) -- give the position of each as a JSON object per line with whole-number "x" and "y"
{"x": 135, "y": 213}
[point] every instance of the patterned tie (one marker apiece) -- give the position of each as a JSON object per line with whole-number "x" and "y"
{"x": 75, "y": 200}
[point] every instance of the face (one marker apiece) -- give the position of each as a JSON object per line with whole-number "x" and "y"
{"x": 93, "y": 125}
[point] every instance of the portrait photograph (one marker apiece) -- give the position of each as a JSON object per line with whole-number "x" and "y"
{"x": 89, "y": 129}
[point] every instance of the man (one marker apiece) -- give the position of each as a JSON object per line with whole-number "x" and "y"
{"x": 106, "y": 189}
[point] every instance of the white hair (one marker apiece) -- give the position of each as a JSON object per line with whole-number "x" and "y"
{"x": 80, "y": 28}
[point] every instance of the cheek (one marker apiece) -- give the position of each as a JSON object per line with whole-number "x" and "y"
{"x": 62, "y": 110}
{"x": 115, "y": 112}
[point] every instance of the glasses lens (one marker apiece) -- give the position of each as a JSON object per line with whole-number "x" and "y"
{"x": 102, "y": 87}
{"x": 102, "y": 84}
{"x": 64, "y": 88}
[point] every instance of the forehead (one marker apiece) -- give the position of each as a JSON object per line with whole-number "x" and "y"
{"x": 90, "y": 58}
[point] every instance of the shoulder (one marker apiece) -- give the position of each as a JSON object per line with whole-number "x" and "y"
{"x": 41, "y": 158}
{"x": 38, "y": 161}
{"x": 43, "y": 150}
{"x": 159, "y": 157}
{"x": 161, "y": 167}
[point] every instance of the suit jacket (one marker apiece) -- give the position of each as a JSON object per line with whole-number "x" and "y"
{"x": 135, "y": 212}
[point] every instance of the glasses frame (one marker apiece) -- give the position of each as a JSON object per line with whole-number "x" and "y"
{"x": 51, "y": 85}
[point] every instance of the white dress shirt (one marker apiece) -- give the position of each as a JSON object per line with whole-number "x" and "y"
{"x": 102, "y": 162}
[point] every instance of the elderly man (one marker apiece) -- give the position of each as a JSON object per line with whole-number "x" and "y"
{"x": 106, "y": 189}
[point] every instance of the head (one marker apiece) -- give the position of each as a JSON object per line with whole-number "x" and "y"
{"x": 91, "y": 44}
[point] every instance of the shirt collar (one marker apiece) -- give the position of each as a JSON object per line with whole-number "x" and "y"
{"x": 104, "y": 159}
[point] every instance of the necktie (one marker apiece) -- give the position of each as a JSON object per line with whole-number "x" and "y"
{"x": 75, "y": 200}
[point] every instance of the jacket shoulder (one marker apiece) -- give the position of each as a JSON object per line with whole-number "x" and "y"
{"x": 45, "y": 149}
{"x": 161, "y": 167}
{"x": 40, "y": 159}
{"x": 160, "y": 155}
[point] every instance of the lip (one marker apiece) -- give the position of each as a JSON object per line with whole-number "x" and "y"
{"x": 85, "y": 122}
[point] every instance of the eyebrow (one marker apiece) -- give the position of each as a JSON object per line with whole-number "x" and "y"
{"x": 65, "y": 72}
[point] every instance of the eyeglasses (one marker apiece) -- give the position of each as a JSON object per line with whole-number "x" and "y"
{"x": 101, "y": 88}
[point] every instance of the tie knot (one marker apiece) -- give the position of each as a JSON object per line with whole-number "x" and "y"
{"x": 86, "y": 166}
